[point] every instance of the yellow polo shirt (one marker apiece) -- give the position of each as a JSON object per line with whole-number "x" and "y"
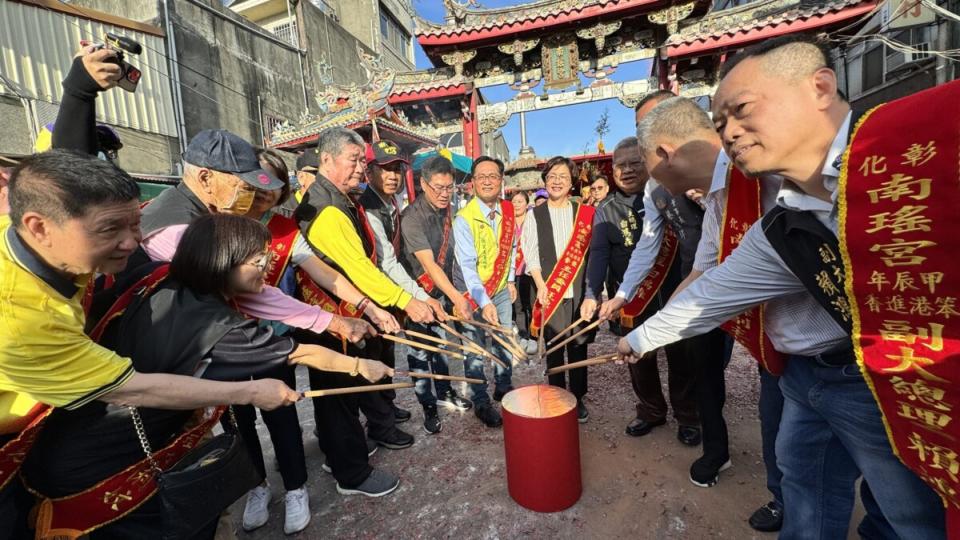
{"x": 45, "y": 357}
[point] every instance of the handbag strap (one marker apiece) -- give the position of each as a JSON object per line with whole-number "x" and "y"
{"x": 145, "y": 442}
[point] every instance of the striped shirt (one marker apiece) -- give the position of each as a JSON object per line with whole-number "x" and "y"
{"x": 561, "y": 219}
{"x": 753, "y": 274}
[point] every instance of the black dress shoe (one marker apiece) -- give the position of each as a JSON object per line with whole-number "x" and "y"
{"x": 689, "y": 435}
{"x": 767, "y": 518}
{"x": 638, "y": 427}
{"x": 488, "y": 415}
{"x": 400, "y": 415}
{"x": 498, "y": 395}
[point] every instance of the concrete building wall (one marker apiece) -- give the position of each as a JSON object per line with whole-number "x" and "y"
{"x": 16, "y": 129}
{"x": 362, "y": 19}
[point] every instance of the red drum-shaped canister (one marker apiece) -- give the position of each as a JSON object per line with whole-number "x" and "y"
{"x": 542, "y": 444}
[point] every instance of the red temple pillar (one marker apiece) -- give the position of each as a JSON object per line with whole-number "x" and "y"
{"x": 471, "y": 129}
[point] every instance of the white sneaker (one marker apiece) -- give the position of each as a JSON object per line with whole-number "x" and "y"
{"x": 297, "y": 505}
{"x": 256, "y": 513}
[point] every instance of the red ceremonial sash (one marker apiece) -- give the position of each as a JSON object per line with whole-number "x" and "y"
{"x": 567, "y": 267}
{"x": 313, "y": 294}
{"x": 367, "y": 230}
{"x": 283, "y": 232}
{"x": 742, "y": 210}
{"x": 655, "y": 278}
{"x": 15, "y": 450}
{"x": 123, "y": 492}
{"x": 118, "y": 495}
{"x": 899, "y": 194}
{"x": 501, "y": 264}
{"x": 424, "y": 278}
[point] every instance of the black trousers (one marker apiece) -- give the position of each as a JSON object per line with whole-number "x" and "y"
{"x": 576, "y": 350}
{"x": 523, "y": 307}
{"x": 710, "y": 352}
{"x": 341, "y": 435}
{"x": 681, "y": 368}
{"x": 285, "y": 434}
{"x": 377, "y": 406}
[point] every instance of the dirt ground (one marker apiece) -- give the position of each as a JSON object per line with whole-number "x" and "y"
{"x": 453, "y": 484}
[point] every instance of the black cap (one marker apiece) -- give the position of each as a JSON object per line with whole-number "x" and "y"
{"x": 220, "y": 150}
{"x": 383, "y": 153}
{"x": 308, "y": 160}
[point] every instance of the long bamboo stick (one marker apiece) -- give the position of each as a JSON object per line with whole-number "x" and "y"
{"x": 585, "y": 329}
{"x": 567, "y": 329}
{"x": 436, "y": 377}
{"x": 437, "y": 340}
{"x": 486, "y": 326}
{"x": 583, "y": 363}
{"x": 477, "y": 348}
{"x": 423, "y": 346}
{"x": 356, "y": 389}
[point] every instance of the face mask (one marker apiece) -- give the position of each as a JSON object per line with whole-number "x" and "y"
{"x": 240, "y": 201}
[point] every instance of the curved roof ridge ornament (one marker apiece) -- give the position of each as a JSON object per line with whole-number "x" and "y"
{"x": 457, "y": 11}
{"x": 671, "y": 16}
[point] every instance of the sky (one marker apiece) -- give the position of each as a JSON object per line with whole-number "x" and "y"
{"x": 562, "y": 131}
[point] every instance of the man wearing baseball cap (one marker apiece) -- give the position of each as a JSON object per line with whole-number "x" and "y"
{"x": 221, "y": 173}
{"x": 386, "y": 165}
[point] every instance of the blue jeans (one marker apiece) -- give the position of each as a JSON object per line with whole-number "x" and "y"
{"x": 422, "y": 361}
{"x": 771, "y": 409}
{"x": 830, "y": 433}
{"x": 473, "y": 364}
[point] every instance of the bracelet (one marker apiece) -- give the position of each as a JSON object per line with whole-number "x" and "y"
{"x": 356, "y": 368}
{"x": 362, "y": 305}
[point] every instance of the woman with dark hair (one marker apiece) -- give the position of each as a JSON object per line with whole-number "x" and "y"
{"x": 185, "y": 325}
{"x": 292, "y": 261}
{"x": 523, "y": 306}
{"x": 555, "y": 241}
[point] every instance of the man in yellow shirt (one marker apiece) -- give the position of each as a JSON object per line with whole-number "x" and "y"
{"x": 71, "y": 216}
{"x": 336, "y": 228}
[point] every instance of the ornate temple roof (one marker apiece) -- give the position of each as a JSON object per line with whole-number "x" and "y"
{"x": 425, "y": 84}
{"x": 464, "y": 24}
{"x": 761, "y": 20}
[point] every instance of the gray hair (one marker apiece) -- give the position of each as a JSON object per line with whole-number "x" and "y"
{"x": 625, "y": 143}
{"x": 333, "y": 140}
{"x": 676, "y": 118}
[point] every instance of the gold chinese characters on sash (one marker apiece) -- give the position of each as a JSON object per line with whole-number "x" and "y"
{"x": 565, "y": 271}
{"x": 899, "y": 195}
{"x": 741, "y": 210}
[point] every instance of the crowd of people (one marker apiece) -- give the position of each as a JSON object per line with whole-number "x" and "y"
{"x": 126, "y": 329}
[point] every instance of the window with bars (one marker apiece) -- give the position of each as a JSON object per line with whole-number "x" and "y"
{"x": 286, "y": 31}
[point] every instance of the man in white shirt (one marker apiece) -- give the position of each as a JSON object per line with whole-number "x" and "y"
{"x": 778, "y": 112}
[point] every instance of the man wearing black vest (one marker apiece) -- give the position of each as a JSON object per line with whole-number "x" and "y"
{"x": 385, "y": 169}
{"x": 683, "y": 217}
{"x": 778, "y": 112}
{"x": 617, "y": 229}
{"x": 337, "y": 229}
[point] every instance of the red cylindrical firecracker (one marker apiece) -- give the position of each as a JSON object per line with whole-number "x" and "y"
{"x": 542, "y": 445}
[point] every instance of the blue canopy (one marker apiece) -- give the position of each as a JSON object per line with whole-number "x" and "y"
{"x": 460, "y": 163}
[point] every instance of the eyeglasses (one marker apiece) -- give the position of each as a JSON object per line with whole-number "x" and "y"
{"x": 441, "y": 189}
{"x": 490, "y": 177}
{"x": 260, "y": 263}
{"x": 562, "y": 177}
